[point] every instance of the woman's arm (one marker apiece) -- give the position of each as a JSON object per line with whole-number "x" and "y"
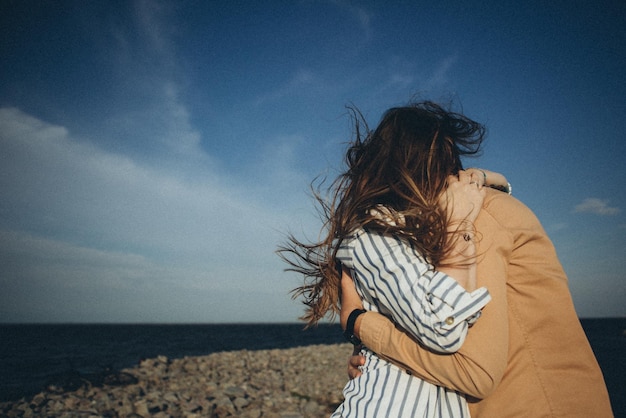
{"x": 462, "y": 201}
{"x": 478, "y": 366}
{"x": 394, "y": 279}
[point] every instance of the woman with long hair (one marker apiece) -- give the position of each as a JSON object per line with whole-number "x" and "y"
{"x": 400, "y": 220}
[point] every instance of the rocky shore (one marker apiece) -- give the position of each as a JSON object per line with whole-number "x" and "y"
{"x": 289, "y": 383}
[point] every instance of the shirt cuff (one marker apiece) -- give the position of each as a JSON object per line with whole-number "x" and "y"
{"x": 453, "y": 304}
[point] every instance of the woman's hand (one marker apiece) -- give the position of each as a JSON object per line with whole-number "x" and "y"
{"x": 350, "y": 300}
{"x": 354, "y": 362}
{"x": 490, "y": 179}
{"x": 464, "y": 197}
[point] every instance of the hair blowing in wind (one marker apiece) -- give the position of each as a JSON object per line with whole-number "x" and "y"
{"x": 401, "y": 166}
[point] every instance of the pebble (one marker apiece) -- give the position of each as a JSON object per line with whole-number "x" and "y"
{"x": 298, "y": 382}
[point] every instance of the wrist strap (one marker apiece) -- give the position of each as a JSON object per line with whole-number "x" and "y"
{"x": 506, "y": 189}
{"x": 349, "y": 332}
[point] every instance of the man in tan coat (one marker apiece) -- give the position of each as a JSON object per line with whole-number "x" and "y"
{"x": 527, "y": 356}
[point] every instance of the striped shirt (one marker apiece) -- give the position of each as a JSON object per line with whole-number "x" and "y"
{"x": 394, "y": 279}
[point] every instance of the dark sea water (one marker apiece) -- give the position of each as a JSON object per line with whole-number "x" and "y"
{"x": 34, "y": 356}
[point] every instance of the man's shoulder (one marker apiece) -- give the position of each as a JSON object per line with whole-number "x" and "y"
{"x": 507, "y": 210}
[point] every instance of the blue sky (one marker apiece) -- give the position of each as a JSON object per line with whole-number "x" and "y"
{"x": 154, "y": 154}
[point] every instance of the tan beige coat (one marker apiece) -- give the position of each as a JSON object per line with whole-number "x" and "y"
{"x": 527, "y": 356}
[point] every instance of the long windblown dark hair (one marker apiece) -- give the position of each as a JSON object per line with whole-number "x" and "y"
{"x": 403, "y": 166}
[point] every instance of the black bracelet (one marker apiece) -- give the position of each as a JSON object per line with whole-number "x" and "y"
{"x": 349, "y": 332}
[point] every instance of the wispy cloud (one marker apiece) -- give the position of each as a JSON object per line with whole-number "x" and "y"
{"x": 150, "y": 16}
{"x": 362, "y": 15}
{"x": 557, "y": 227}
{"x": 81, "y": 218}
{"x": 440, "y": 76}
{"x": 401, "y": 80}
{"x": 148, "y": 62}
{"x": 596, "y": 207}
{"x": 408, "y": 77}
{"x": 95, "y": 221}
{"x": 302, "y": 81}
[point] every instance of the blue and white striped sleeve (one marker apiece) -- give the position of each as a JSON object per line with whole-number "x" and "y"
{"x": 430, "y": 305}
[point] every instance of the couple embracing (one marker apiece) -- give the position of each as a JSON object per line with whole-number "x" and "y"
{"x": 448, "y": 286}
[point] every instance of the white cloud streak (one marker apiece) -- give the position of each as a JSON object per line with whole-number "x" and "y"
{"x": 363, "y": 16}
{"x": 77, "y": 218}
{"x": 597, "y": 207}
{"x": 440, "y": 77}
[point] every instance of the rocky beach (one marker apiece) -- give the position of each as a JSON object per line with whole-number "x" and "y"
{"x": 279, "y": 383}
{"x": 204, "y": 370}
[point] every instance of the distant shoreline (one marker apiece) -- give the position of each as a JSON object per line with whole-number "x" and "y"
{"x": 328, "y": 323}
